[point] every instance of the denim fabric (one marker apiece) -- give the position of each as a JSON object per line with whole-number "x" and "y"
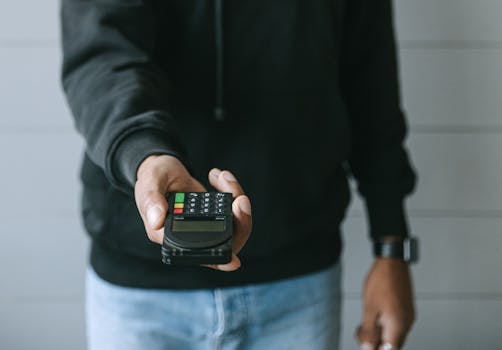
{"x": 300, "y": 313}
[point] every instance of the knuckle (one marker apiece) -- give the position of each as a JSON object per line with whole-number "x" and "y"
{"x": 153, "y": 236}
{"x": 150, "y": 236}
{"x": 142, "y": 196}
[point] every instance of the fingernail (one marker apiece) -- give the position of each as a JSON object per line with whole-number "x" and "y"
{"x": 153, "y": 215}
{"x": 229, "y": 177}
{"x": 367, "y": 346}
{"x": 245, "y": 207}
{"x": 215, "y": 172}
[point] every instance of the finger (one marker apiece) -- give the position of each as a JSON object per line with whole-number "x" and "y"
{"x": 242, "y": 231}
{"x": 368, "y": 333}
{"x": 367, "y": 346}
{"x": 388, "y": 346}
{"x": 393, "y": 333}
{"x": 225, "y": 181}
{"x": 243, "y": 222}
{"x": 368, "y": 338}
{"x": 233, "y": 265}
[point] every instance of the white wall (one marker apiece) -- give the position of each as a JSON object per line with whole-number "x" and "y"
{"x": 451, "y": 58}
{"x": 43, "y": 247}
{"x": 451, "y": 64}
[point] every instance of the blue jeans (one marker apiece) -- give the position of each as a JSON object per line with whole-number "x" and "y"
{"x": 298, "y": 313}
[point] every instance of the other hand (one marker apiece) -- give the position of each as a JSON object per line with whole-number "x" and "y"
{"x": 388, "y": 305}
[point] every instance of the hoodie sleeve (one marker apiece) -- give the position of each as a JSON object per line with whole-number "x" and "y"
{"x": 115, "y": 89}
{"x": 378, "y": 159}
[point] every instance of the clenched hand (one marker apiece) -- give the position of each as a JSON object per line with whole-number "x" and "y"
{"x": 160, "y": 174}
{"x": 388, "y": 305}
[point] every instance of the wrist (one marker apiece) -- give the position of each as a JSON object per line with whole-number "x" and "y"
{"x": 155, "y": 165}
{"x": 391, "y": 238}
{"x": 160, "y": 171}
{"x": 390, "y": 261}
{"x": 132, "y": 148}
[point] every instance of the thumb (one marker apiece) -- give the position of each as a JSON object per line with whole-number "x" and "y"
{"x": 152, "y": 206}
{"x": 368, "y": 333}
{"x": 155, "y": 210}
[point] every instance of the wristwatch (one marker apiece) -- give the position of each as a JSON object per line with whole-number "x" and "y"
{"x": 405, "y": 249}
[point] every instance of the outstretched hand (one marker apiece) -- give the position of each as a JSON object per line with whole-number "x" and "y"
{"x": 160, "y": 174}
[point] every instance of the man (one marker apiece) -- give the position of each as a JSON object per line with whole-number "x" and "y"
{"x": 290, "y": 97}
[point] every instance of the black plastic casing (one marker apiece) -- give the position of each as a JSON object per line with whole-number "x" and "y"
{"x": 198, "y": 248}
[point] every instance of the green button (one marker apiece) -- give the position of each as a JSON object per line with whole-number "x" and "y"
{"x": 179, "y": 198}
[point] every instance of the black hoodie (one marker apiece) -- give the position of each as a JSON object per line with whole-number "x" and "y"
{"x": 289, "y": 95}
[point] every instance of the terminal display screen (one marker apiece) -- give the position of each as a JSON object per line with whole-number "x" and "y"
{"x": 198, "y": 226}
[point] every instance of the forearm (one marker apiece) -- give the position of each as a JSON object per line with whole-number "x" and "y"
{"x": 378, "y": 158}
{"x": 114, "y": 88}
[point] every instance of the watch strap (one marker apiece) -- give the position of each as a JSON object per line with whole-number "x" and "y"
{"x": 406, "y": 249}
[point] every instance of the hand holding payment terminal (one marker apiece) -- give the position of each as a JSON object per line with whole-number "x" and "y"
{"x": 198, "y": 229}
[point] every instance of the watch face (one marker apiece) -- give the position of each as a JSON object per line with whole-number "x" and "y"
{"x": 410, "y": 250}
{"x": 407, "y": 249}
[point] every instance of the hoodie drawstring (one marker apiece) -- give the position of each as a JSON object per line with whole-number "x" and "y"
{"x": 219, "y": 109}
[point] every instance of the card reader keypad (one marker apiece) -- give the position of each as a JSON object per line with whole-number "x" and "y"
{"x": 202, "y": 203}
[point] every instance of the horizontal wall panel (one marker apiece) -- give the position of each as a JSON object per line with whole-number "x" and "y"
{"x": 49, "y": 325}
{"x": 458, "y": 256}
{"x": 457, "y": 174}
{"x": 449, "y": 20}
{"x": 31, "y": 96}
{"x": 49, "y": 255}
{"x": 457, "y": 171}
{"x": 441, "y": 324}
{"x": 29, "y": 21}
{"x": 451, "y": 88}
{"x": 39, "y": 175}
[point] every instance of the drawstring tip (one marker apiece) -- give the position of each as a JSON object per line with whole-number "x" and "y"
{"x": 219, "y": 114}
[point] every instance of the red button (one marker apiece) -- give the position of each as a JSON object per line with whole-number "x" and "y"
{"x": 178, "y": 211}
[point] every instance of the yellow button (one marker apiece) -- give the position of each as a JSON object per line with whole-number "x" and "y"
{"x": 178, "y": 205}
